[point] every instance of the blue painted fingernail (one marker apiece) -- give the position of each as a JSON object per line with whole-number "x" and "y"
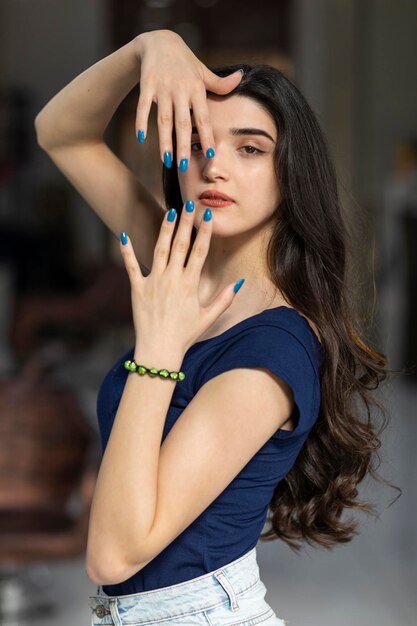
{"x": 141, "y": 136}
{"x": 171, "y": 215}
{"x": 207, "y": 215}
{"x": 123, "y": 238}
{"x": 167, "y": 159}
{"x": 189, "y": 206}
{"x": 210, "y": 153}
{"x": 238, "y": 285}
{"x": 183, "y": 165}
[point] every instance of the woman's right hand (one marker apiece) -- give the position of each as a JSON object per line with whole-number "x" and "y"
{"x": 174, "y": 78}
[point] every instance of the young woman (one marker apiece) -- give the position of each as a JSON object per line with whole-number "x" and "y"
{"x": 250, "y": 406}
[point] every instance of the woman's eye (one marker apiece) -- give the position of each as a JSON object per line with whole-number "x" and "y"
{"x": 252, "y": 148}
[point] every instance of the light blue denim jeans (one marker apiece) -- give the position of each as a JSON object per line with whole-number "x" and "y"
{"x": 232, "y": 595}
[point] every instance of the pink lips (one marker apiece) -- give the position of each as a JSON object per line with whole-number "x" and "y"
{"x": 216, "y": 202}
{"x": 215, "y": 199}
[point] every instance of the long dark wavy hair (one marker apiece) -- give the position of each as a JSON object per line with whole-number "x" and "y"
{"x": 308, "y": 259}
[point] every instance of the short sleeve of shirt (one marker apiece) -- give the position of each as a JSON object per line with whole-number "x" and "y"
{"x": 285, "y": 355}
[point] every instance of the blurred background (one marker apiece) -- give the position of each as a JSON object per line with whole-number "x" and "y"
{"x": 65, "y": 312}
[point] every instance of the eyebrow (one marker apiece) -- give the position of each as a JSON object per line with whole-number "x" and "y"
{"x": 237, "y": 132}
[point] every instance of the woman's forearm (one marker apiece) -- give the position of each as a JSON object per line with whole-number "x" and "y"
{"x": 81, "y": 111}
{"x": 125, "y": 497}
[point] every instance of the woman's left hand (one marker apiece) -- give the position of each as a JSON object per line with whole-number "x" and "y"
{"x": 165, "y": 304}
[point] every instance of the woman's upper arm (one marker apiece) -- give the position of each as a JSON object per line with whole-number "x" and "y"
{"x": 114, "y": 193}
{"x": 226, "y": 423}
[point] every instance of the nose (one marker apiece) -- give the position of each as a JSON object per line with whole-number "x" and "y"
{"x": 216, "y": 167}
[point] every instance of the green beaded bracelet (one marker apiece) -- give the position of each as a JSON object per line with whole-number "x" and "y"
{"x": 132, "y": 367}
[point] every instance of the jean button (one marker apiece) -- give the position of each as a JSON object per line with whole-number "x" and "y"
{"x": 101, "y": 611}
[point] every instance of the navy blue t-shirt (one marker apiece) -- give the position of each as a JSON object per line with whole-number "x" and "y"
{"x": 279, "y": 339}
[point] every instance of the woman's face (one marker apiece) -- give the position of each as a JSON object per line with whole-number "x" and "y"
{"x": 242, "y": 168}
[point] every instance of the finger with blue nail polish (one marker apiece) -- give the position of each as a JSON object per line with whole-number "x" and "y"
{"x": 183, "y": 165}
{"x": 171, "y": 215}
{"x": 238, "y": 285}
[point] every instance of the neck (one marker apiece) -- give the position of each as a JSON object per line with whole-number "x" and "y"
{"x": 232, "y": 258}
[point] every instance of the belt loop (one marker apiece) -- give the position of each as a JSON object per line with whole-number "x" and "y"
{"x": 114, "y": 612}
{"x": 227, "y": 586}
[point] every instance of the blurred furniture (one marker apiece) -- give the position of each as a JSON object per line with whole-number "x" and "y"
{"x": 397, "y": 266}
{"x": 105, "y": 301}
{"x": 47, "y": 479}
{"x": 7, "y": 359}
{"x": 409, "y": 226}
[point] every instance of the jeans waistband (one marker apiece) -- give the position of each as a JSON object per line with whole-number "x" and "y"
{"x": 204, "y": 592}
